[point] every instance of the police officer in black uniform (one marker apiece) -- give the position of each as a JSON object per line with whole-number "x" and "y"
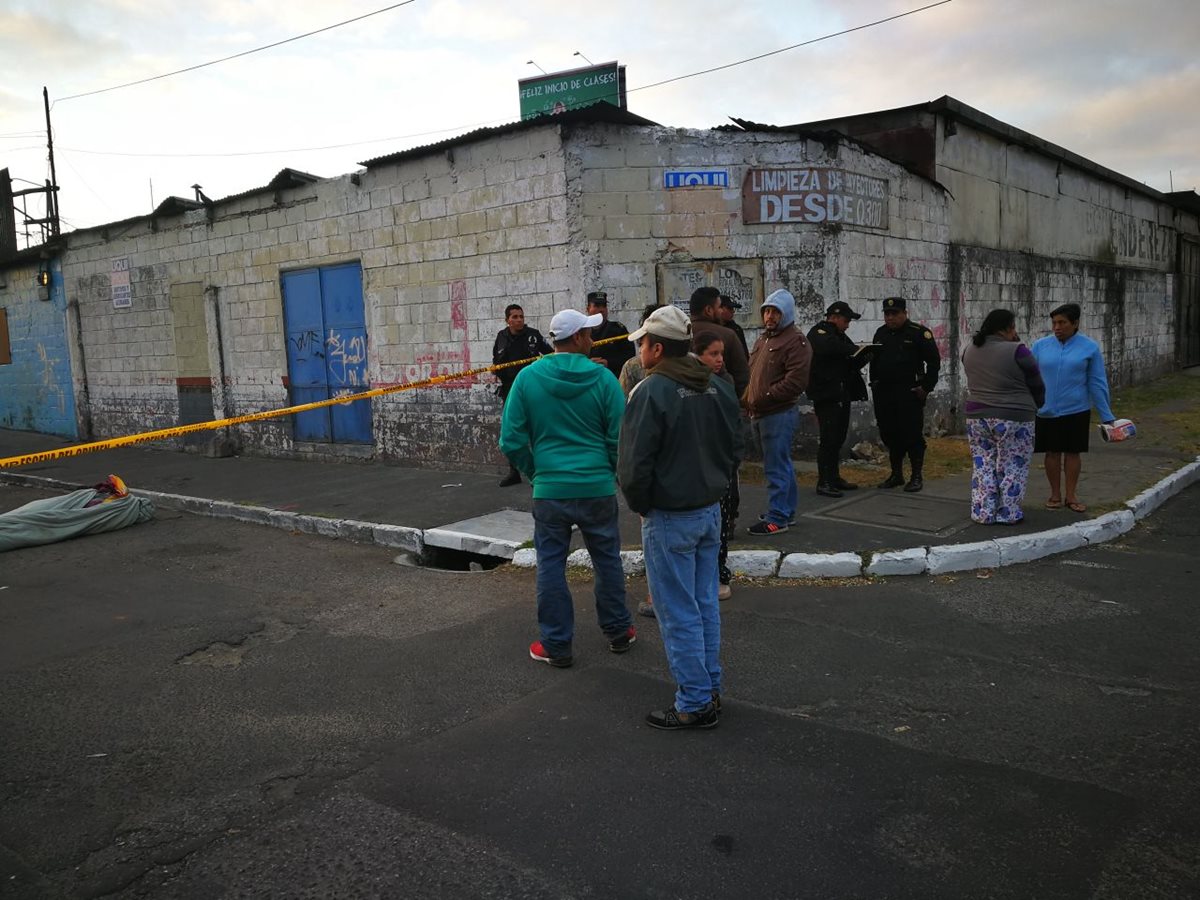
{"x": 904, "y": 370}
{"x": 514, "y": 342}
{"x": 612, "y": 355}
{"x": 834, "y": 382}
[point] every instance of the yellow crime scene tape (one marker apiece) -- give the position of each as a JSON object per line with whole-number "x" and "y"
{"x": 146, "y": 437}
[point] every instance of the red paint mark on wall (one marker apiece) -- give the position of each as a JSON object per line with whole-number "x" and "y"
{"x": 448, "y": 361}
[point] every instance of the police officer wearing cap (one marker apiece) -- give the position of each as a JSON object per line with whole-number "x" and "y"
{"x": 834, "y": 382}
{"x": 904, "y": 370}
{"x": 612, "y": 355}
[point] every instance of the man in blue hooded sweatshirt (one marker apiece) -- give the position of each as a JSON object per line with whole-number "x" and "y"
{"x": 561, "y": 426}
{"x": 779, "y": 365}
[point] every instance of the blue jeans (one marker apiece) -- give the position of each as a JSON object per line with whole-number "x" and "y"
{"x": 681, "y": 567}
{"x": 597, "y": 521}
{"x": 775, "y": 434}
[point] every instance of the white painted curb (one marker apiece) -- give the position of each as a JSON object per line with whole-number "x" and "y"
{"x": 821, "y": 565}
{"x": 898, "y": 562}
{"x": 1000, "y": 551}
{"x": 754, "y": 563}
{"x": 1154, "y": 497}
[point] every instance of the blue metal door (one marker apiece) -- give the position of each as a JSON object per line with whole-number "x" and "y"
{"x": 327, "y": 352}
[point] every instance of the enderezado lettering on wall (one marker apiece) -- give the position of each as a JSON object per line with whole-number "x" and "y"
{"x": 812, "y": 195}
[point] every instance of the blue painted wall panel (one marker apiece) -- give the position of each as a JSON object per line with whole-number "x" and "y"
{"x": 36, "y": 389}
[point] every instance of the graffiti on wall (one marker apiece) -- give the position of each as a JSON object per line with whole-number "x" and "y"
{"x": 739, "y": 279}
{"x": 450, "y": 360}
{"x": 51, "y": 389}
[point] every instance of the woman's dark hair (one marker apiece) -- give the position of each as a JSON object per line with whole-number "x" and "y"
{"x": 996, "y": 321}
{"x": 704, "y": 340}
{"x": 1070, "y": 310}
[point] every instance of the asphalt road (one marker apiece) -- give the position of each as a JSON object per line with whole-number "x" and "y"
{"x": 194, "y": 708}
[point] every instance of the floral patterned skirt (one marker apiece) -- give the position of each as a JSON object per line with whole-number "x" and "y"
{"x": 1000, "y": 453}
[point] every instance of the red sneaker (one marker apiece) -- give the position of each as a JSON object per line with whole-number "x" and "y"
{"x": 538, "y": 652}
{"x": 621, "y": 644}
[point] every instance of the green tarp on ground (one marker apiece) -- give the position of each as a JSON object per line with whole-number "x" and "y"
{"x": 59, "y": 518}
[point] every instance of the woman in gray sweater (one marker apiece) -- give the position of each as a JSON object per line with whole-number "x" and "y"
{"x": 1004, "y": 392}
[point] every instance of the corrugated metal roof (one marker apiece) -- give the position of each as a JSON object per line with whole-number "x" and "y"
{"x": 949, "y": 106}
{"x": 597, "y": 113}
{"x": 284, "y": 179}
{"x": 825, "y": 136}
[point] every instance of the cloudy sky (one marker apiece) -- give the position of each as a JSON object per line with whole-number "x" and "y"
{"x": 1117, "y": 82}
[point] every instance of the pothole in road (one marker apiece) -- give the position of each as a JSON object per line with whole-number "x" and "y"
{"x": 229, "y": 654}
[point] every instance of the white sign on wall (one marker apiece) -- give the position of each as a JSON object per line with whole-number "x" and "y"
{"x": 122, "y": 295}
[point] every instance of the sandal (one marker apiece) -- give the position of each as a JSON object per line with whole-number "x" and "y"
{"x": 1054, "y": 504}
{"x": 1076, "y": 506}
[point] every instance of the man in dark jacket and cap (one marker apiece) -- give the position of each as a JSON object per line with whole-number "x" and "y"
{"x": 834, "y": 382}
{"x": 680, "y": 444}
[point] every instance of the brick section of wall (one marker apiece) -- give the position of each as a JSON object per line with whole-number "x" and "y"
{"x": 36, "y": 390}
{"x": 540, "y": 217}
{"x": 190, "y": 332}
{"x": 445, "y": 243}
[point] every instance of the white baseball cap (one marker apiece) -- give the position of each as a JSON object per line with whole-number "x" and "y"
{"x": 568, "y": 321}
{"x": 668, "y": 322}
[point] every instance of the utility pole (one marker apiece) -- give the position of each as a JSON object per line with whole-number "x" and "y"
{"x": 52, "y": 193}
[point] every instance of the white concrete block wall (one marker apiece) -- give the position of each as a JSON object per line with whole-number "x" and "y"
{"x": 629, "y": 222}
{"x": 447, "y": 240}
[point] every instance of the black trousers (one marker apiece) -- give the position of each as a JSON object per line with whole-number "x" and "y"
{"x": 901, "y": 420}
{"x": 833, "y": 421}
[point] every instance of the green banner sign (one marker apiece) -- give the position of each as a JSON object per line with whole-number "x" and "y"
{"x": 562, "y": 91}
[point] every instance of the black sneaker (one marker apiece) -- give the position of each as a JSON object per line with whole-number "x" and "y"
{"x": 914, "y": 484}
{"x": 828, "y": 490}
{"x": 538, "y": 652}
{"x": 843, "y": 485}
{"x": 791, "y": 521}
{"x": 892, "y": 481}
{"x": 674, "y": 720}
{"x": 766, "y": 529}
{"x": 622, "y": 643}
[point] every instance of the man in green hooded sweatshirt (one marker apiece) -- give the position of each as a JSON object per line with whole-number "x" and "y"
{"x": 561, "y": 426}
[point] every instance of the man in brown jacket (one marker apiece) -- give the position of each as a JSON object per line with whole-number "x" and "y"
{"x": 779, "y": 365}
{"x": 705, "y": 310}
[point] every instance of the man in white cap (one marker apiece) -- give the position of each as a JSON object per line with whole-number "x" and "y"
{"x": 561, "y": 424}
{"x": 680, "y": 445}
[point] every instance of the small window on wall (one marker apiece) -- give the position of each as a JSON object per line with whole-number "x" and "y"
{"x": 5, "y": 350}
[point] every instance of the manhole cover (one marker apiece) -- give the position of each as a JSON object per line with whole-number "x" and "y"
{"x": 905, "y": 512}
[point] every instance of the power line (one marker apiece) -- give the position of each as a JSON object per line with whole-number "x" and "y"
{"x": 117, "y": 87}
{"x": 382, "y": 140}
{"x": 792, "y": 47}
{"x": 643, "y": 87}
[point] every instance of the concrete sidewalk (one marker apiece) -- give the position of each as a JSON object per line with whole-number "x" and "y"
{"x": 418, "y": 509}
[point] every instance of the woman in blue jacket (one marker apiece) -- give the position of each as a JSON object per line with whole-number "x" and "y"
{"x": 1073, "y": 371}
